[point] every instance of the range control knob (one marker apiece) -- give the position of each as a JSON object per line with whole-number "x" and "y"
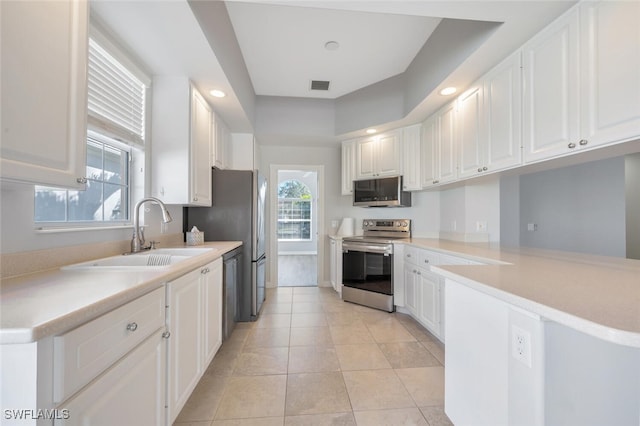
{"x": 397, "y": 224}
{"x": 405, "y": 224}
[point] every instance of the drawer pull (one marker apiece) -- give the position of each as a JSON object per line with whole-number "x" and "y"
{"x": 166, "y": 334}
{"x": 205, "y": 271}
{"x": 583, "y": 142}
{"x": 132, "y": 326}
{"x": 571, "y": 145}
{"x": 426, "y": 261}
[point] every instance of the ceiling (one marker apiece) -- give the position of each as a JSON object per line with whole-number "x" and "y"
{"x": 273, "y": 49}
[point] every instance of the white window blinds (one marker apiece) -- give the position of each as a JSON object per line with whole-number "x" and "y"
{"x": 116, "y": 97}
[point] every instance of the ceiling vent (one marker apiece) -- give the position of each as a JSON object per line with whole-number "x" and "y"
{"x": 319, "y": 85}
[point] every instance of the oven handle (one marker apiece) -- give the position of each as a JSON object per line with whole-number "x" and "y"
{"x": 367, "y": 248}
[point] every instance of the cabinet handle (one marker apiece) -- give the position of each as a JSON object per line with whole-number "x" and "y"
{"x": 479, "y": 169}
{"x": 82, "y": 180}
{"x": 166, "y": 334}
{"x": 419, "y": 273}
{"x": 572, "y": 145}
{"x": 485, "y": 168}
{"x": 132, "y": 326}
{"x": 408, "y": 255}
{"x": 583, "y": 142}
{"x": 205, "y": 271}
{"x": 195, "y": 198}
{"x": 426, "y": 261}
{"x": 436, "y": 181}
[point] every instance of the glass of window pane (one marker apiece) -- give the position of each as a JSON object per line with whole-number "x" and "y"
{"x": 86, "y": 205}
{"x": 115, "y": 205}
{"x": 94, "y": 160}
{"x": 50, "y": 205}
{"x": 115, "y": 165}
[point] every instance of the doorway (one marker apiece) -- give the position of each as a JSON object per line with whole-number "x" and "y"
{"x": 297, "y": 226}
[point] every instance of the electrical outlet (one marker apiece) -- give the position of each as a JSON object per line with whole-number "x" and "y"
{"x": 481, "y": 226}
{"x": 521, "y": 345}
{"x": 532, "y": 227}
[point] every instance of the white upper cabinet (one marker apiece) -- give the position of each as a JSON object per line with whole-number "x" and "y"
{"x": 447, "y": 147}
{"x": 439, "y": 161}
{"x": 44, "y": 92}
{"x": 379, "y": 156}
{"x": 348, "y": 166}
{"x": 551, "y": 90}
{"x": 489, "y": 120}
{"x": 411, "y": 179}
{"x": 182, "y": 140}
{"x": 610, "y": 71}
{"x": 429, "y": 151}
{"x": 470, "y": 135}
{"x": 582, "y": 84}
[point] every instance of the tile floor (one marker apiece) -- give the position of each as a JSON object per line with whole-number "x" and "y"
{"x": 312, "y": 359}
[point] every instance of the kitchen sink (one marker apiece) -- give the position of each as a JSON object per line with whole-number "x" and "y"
{"x": 148, "y": 260}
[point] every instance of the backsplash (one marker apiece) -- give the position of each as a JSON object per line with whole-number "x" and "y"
{"x": 14, "y": 264}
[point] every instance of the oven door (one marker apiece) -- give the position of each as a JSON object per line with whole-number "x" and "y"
{"x": 368, "y": 267}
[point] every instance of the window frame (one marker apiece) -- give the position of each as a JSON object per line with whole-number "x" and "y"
{"x": 136, "y": 170}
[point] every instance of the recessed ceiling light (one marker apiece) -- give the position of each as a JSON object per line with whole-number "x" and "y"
{"x": 448, "y": 91}
{"x": 371, "y": 131}
{"x": 217, "y": 93}
{"x": 332, "y": 45}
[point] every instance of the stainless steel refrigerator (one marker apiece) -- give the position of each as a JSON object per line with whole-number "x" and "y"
{"x": 237, "y": 214}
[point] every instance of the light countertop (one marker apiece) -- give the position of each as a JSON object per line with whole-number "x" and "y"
{"x": 47, "y": 303}
{"x": 597, "y": 295}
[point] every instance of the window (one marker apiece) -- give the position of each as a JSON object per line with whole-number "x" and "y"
{"x": 116, "y": 136}
{"x": 294, "y": 211}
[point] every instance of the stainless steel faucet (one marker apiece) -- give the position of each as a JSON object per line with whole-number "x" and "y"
{"x": 137, "y": 242}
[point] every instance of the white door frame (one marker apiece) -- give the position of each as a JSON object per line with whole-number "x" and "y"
{"x": 273, "y": 215}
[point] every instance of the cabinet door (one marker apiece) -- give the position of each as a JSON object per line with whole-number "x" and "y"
{"x": 430, "y": 154}
{"x": 411, "y": 290}
{"x": 212, "y": 310}
{"x": 503, "y": 114}
{"x": 470, "y": 139}
{"x": 446, "y": 145}
{"x": 551, "y": 99}
{"x": 132, "y": 392}
{"x": 185, "y": 342}
{"x": 411, "y": 176}
{"x": 388, "y": 159}
{"x": 44, "y": 92}
{"x": 348, "y": 166}
{"x": 200, "y": 155}
{"x": 429, "y": 313}
{"x": 332, "y": 263}
{"x": 366, "y": 158}
{"x": 610, "y": 71}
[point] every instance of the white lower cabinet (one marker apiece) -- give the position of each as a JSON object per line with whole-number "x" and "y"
{"x": 129, "y": 393}
{"x": 335, "y": 264}
{"x": 195, "y": 323}
{"x": 424, "y": 290}
{"x": 112, "y": 370}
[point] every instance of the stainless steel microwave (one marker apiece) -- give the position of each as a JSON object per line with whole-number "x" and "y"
{"x": 380, "y": 192}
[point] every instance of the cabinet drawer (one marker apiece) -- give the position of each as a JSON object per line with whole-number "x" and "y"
{"x": 83, "y": 353}
{"x": 428, "y": 258}
{"x": 411, "y": 255}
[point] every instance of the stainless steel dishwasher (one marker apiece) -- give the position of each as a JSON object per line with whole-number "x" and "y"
{"x": 231, "y": 279}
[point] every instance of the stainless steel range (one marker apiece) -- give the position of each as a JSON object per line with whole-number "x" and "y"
{"x": 367, "y": 263}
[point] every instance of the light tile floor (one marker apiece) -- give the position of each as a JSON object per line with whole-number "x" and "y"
{"x": 312, "y": 359}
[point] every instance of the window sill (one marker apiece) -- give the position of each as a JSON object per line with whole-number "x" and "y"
{"x": 56, "y": 230}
